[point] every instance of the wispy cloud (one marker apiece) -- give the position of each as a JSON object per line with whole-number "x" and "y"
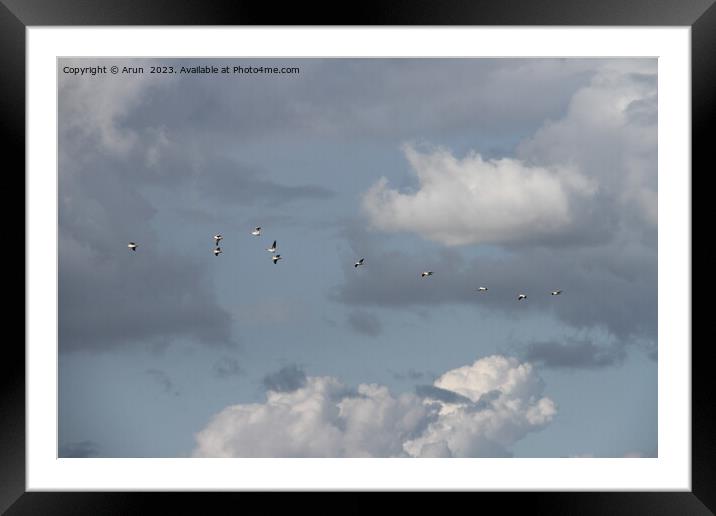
{"x": 365, "y": 323}
{"x": 79, "y": 449}
{"x": 574, "y": 354}
{"x": 226, "y": 367}
{"x": 163, "y": 379}
{"x": 287, "y": 379}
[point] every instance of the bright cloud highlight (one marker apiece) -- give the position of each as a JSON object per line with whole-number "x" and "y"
{"x": 473, "y": 200}
{"x": 476, "y": 410}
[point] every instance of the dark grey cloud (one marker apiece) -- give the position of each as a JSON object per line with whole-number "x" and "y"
{"x": 111, "y": 159}
{"x": 80, "y": 449}
{"x": 365, "y": 323}
{"x": 287, "y": 379}
{"x": 574, "y": 354}
{"x": 367, "y": 98}
{"x": 485, "y": 401}
{"x": 227, "y": 180}
{"x": 163, "y": 379}
{"x": 111, "y": 297}
{"x": 226, "y": 367}
{"x": 447, "y": 396}
{"x": 613, "y": 286}
{"x": 127, "y": 298}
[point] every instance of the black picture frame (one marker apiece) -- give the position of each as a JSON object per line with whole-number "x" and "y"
{"x": 16, "y": 15}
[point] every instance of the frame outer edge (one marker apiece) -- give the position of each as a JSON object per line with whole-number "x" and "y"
{"x": 703, "y": 115}
{"x": 701, "y": 14}
{"x": 12, "y": 364}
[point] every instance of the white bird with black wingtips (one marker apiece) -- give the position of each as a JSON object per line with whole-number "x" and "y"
{"x": 358, "y": 263}
{"x": 256, "y": 231}
{"x": 556, "y": 292}
{"x": 273, "y": 247}
{"x": 217, "y": 251}
{"x": 482, "y": 289}
{"x": 521, "y": 297}
{"x": 218, "y": 238}
{"x": 276, "y": 258}
{"x": 132, "y": 246}
{"x": 426, "y": 274}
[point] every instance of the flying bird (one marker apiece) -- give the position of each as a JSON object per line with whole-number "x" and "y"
{"x": 521, "y": 297}
{"x": 358, "y": 263}
{"x": 218, "y": 238}
{"x": 132, "y": 246}
{"x": 217, "y": 251}
{"x": 256, "y": 231}
{"x": 426, "y": 273}
{"x": 482, "y": 289}
{"x": 276, "y": 258}
{"x": 273, "y": 247}
{"x": 556, "y": 292}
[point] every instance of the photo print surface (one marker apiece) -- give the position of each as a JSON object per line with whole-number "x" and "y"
{"x": 303, "y": 257}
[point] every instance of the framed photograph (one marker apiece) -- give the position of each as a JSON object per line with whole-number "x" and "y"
{"x": 423, "y": 249}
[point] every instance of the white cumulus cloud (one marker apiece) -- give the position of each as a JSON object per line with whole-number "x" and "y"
{"x": 507, "y": 405}
{"x": 595, "y": 163}
{"x": 610, "y": 131}
{"x": 473, "y": 200}
{"x": 496, "y": 401}
{"x": 320, "y": 419}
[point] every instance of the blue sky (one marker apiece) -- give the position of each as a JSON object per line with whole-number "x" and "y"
{"x": 521, "y": 175}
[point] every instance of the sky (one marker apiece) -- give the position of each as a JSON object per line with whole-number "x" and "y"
{"x": 520, "y": 175}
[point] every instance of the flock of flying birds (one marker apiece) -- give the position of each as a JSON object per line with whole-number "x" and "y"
{"x": 276, "y": 257}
